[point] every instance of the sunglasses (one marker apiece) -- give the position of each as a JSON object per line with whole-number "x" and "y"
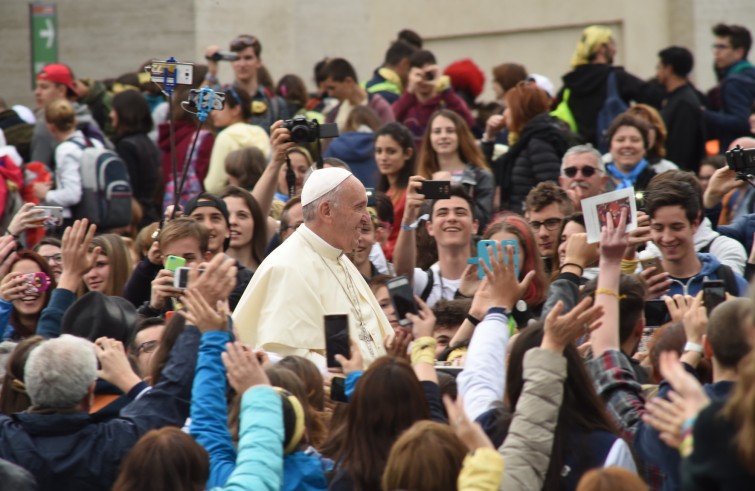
{"x": 550, "y": 224}
{"x": 586, "y": 171}
{"x": 242, "y": 42}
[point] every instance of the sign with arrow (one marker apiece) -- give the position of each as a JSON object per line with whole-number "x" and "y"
{"x": 44, "y": 37}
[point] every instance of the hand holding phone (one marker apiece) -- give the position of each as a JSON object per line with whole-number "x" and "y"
{"x": 483, "y": 254}
{"x": 181, "y": 278}
{"x": 714, "y": 294}
{"x": 172, "y": 263}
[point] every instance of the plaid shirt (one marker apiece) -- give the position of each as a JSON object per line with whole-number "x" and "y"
{"x": 615, "y": 381}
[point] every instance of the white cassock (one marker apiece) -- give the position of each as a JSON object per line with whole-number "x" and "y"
{"x": 302, "y": 280}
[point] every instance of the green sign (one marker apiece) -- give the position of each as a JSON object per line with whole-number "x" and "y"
{"x": 44, "y": 37}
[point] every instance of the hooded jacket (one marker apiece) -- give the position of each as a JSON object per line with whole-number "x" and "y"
{"x": 691, "y": 286}
{"x": 737, "y": 96}
{"x": 357, "y": 149}
{"x": 587, "y": 84}
{"x": 725, "y": 249}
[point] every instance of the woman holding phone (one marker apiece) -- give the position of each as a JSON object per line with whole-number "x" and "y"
{"x": 449, "y": 153}
{"x": 22, "y": 298}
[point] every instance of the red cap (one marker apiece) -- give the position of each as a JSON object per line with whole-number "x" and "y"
{"x": 59, "y": 74}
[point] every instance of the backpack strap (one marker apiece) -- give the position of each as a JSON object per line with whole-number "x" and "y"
{"x": 429, "y": 287}
{"x": 725, "y": 273}
{"x": 706, "y": 248}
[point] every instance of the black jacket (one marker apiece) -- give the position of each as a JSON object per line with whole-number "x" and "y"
{"x": 682, "y": 113}
{"x": 142, "y": 159}
{"x": 534, "y": 158}
{"x": 17, "y": 132}
{"x": 70, "y": 451}
{"x": 587, "y": 84}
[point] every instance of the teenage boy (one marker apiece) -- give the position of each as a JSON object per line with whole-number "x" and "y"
{"x": 342, "y": 83}
{"x": 452, "y": 225}
{"x": 675, "y": 212}
{"x": 545, "y": 208}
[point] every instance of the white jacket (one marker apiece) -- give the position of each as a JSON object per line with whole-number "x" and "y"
{"x": 67, "y": 192}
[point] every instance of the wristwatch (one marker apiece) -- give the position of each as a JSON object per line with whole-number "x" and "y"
{"x": 690, "y": 346}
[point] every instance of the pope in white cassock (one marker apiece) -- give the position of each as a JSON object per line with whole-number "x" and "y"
{"x": 309, "y": 276}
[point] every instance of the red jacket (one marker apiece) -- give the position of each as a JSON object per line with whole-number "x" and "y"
{"x": 184, "y": 131}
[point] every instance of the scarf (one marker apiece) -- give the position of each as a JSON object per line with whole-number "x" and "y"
{"x": 627, "y": 180}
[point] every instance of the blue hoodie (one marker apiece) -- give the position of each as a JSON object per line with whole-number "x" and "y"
{"x": 358, "y": 150}
{"x": 708, "y": 272}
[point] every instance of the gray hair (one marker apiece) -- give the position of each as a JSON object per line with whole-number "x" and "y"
{"x": 59, "y": 372}
{"x": 310, "y": 210}
{"x": 589, "y": 149}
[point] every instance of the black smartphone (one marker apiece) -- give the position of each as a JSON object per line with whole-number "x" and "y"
{"x": 436, "y": 189}
{"x": 338, "y": 389}
{"x": 714, "y": 293}
{"x": 336, "y": 338}
{"x": 402, "y": 297}
{"x": 656, "y": 313}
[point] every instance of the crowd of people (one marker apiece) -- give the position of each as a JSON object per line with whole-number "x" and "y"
{"x": 185, "y": 347}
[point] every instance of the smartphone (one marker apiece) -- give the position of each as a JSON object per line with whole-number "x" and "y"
{"x": 174, "y": 262}
{"x": 336, "y": 338}
{"x": 402, "y": 297}
{"x": 436, "y": 189}
{"x": 484, "y": 255}
{"x": 36, "y": 283}
{"x": 653, "y": 262}
{"x": 647, "y": 336}
{"x": 430, "y": 75}
{"x": 656, "y": 313}
{"x": 338, "y": 389}
{"x": 171, "y": 72}
{"x": 714, "y": 293}
{"x": 49, "y": 216}
{"x": 181, "y": 278}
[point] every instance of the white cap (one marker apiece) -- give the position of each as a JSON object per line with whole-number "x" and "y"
{"x": 24, "y": 113}
{"x": 322, "y": 181}
{"x": 544, "y": 83}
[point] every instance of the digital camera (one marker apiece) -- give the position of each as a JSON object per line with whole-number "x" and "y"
{"x": 304, "y": 130}
{"x": 741, "y": 160}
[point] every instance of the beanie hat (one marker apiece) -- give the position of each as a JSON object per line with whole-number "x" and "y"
{"x": 466, "y": 76}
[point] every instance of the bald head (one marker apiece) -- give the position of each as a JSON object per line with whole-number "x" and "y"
{"x": 744, "y": 142}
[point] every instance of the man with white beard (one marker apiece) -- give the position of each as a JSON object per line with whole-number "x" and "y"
{"x": 583, "y": 174}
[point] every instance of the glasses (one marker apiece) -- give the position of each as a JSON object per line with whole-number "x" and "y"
{"x": 721, "y": 46}
{"x": 56, "y": 258}
{"x": 586, "y": 171}
{"x": 550, "y": 224}
{"x": 244, "y": 41}
{"x": 147, "y": 347}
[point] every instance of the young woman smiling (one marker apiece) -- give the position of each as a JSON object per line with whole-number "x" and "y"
{"x": 449, "y": 153}
{"x": 394, "y": 156}
{"x": 250, "y": 231}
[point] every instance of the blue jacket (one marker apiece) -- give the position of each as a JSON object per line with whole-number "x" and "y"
{"x": 650, "y": 447}
{"x": 741, "y": 229}
{"x": 737, "y": 96}
{"x": 209, "y": 426}
{"x": 358, "y": 150}
{"x": 708, "y": 272}
{"x": 69, "y": 451}
{"x": 260, "y": 458}
{"x": 6, "y": 309}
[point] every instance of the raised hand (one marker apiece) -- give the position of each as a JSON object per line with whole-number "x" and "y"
{"x": 678, "y": 306}
{"x": 13, "y": 287}
{"x": 579, "y": 252}
{"x": 398, "y": 344}
{"x": 242, "y": 368}
{"x": 162, "y": 289}
{"x": 25, "y": 218}
{"x": 683, "y": 383}
{"x": 666, "y": 417}
{"x": 414, "y": 199}
{"x": 115, "y": 367}
{"x": 614, "y": 239}
{"x": 218, "y": 280}
{"x": 200, "y": 314}
{"x": 501, "y": 288}
{"x": 562, "y": 330}
{"x": 76, "y": 254}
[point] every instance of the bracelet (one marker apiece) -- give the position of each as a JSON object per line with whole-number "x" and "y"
{"x": 607, "y": 291}
{"x": 473, "y": 320}
{"x": 413, "y": 226}
{"x": 423, "y": 350}
{"x": 581, "y": 269}
{"x": 694, "y": 347}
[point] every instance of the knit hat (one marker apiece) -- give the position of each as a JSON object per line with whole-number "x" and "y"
{"x": 60, "y": 74}
{"x": 321, "y": 182}
{"x": 593, "y": 37}
{"x": 466, "y": 76}
{"x": 95, "y": 315}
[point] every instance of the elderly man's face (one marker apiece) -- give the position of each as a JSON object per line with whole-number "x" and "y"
{"x": 581, "y": 176}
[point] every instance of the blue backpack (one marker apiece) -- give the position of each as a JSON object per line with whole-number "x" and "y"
{"x": 612, "y": 107}
{"x": 106, "y": 189}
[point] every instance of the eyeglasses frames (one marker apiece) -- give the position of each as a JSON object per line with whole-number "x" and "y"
{"x": 549, "y": 224}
